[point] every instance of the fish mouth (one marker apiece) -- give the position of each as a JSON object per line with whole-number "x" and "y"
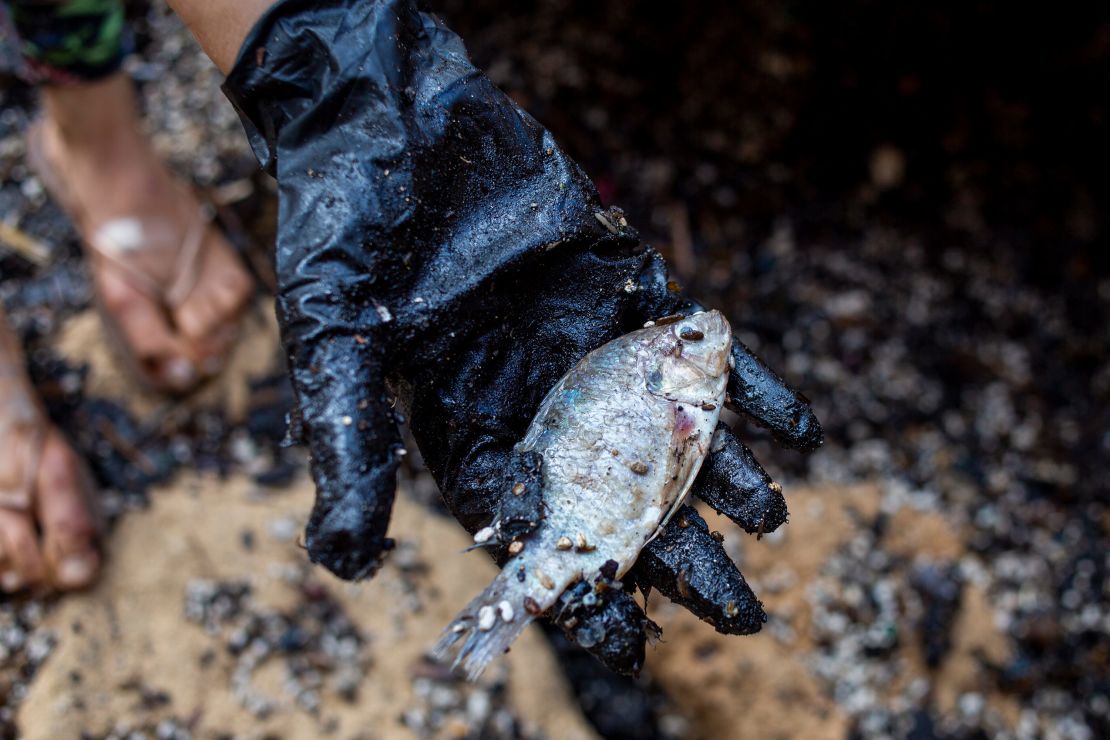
{"x": 712, "y": 324}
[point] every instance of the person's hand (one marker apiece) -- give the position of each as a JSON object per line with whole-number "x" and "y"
{"x": 436, "y": 246}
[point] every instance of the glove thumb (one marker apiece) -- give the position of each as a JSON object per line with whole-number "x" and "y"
{"x": 348, "y": 421}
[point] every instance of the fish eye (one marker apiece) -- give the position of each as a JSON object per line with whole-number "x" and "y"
{"x": 690, "y": 334}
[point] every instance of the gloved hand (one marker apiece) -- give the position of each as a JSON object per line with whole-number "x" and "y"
{"x": 436, "y": 246}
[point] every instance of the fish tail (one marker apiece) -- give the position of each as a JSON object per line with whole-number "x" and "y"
{"x": 487, "y": 626}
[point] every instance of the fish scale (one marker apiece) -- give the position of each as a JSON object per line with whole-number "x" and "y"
{"x": 621, "y": 437}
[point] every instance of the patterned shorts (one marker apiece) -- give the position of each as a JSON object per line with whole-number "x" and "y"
{"x": 64, "y": 41}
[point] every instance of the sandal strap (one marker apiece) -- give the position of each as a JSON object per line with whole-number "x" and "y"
{"x": 187, "y": 268}
{"x": 117, "y": 240}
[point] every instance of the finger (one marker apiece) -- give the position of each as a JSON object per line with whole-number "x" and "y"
{"x": 23, "y": 564}
{"x": 66, "y": 516}
{"x": 467, "y": 430}
{"x": 692, "y": 569}
{"x": 352, "y": 435}
{"x": 607, "y": 622}
{"x": 754, "y": 387}
{"x": 734, "y": 484}
{"x": 497, "y": 495}
{"x": 475, "y": 487}
{"x": 521, "y": 510}
{"x": 766, "y": 398}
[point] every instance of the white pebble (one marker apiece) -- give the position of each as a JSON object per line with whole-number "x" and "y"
{"x": 486, "y": 618}
{"x": 483, "y": 535}
{"x": 506, "y": 610}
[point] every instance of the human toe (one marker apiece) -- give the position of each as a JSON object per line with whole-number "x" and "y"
{"x": 21, "y": 564}
{"x": 222, "y": 289}
{"x": 66, "y": 515}
{"x": 162, "y": 358}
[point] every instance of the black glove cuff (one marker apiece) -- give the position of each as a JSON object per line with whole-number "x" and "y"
{"x": 303, "y": 52}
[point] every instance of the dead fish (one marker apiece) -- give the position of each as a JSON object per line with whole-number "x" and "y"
{"x": 622, "y": 437}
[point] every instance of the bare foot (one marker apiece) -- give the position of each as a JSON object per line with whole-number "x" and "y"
{"x": 47, "y": 528}
{"x": 116, "y": 185}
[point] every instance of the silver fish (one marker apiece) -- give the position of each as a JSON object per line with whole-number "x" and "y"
{"x": 622, "y": 436}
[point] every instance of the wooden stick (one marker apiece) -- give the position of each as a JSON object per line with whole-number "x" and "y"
{"x": 24, "y": 245}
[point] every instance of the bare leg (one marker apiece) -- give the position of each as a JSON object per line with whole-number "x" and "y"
{"x": 220, "y": 25}
{"x": 47, "y": 529}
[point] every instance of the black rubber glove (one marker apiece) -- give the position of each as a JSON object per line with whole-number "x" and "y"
{"x": 436, "y": 246}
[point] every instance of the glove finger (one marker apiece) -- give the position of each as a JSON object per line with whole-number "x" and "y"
{"x": 764, "y": 396}
{"x": 734, "y": 483}
{"x": 521, "y": 507}
{"x": 498, "y": 496}
{"x": 691, "y": 568}
{"x": 755, "y": 389}
{"x": 474, "y": 484}
{"x": 607, "y": 622}
{"x": 351, "y": 431}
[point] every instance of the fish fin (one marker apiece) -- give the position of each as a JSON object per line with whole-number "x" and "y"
{"x": 480, "y": 646}
{"x": 687, "y": 484}
{"x": 670, "y": 513}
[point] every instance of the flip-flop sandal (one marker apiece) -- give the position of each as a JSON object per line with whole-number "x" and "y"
{"x": 113, "y": 241}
